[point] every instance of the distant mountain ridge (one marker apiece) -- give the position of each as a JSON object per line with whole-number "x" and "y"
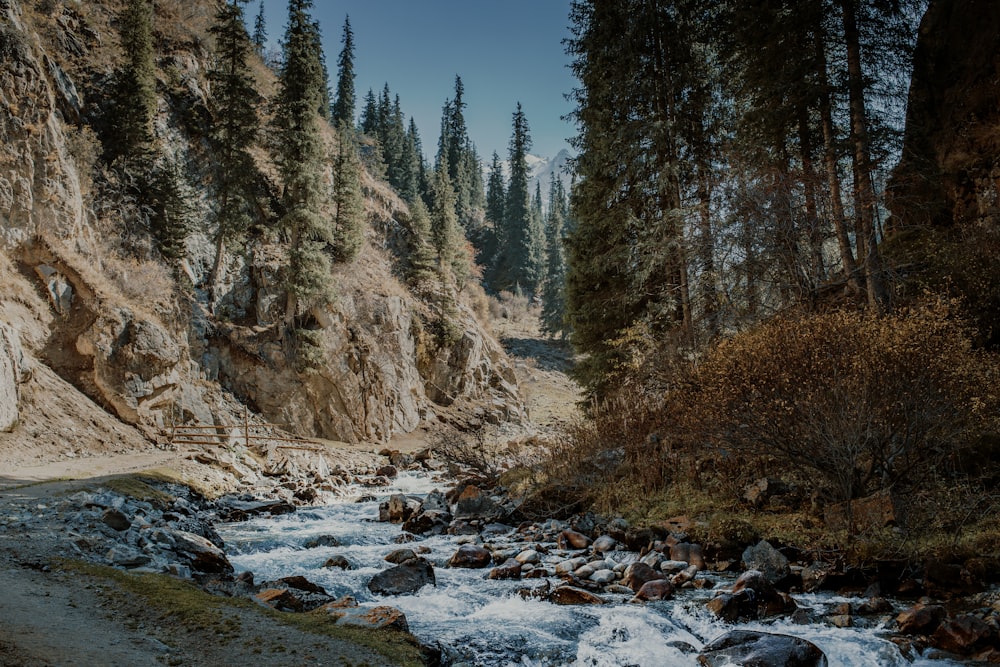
{"x": 540, "y": 171}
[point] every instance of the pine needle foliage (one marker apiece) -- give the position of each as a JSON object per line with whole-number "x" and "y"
{"x": 302, "y": 89}
{"x": 233, "y": 102}
{"x": 348, "y": 199}
{"x": 135, "y": 94}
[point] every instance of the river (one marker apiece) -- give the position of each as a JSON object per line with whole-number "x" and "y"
{"x": 481, "y": 622}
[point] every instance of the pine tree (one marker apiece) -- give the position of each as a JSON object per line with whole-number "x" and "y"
{"x": 348, "y": 200}
{"x": 233, "y": 102}
{"x": 495, "y": 237}
{"x": 553, "y": 318}
{"x": 135, "y": 98}
{"x": 518, "y": 265}
{"x": 446, "y": 235}
{"x": 369, "y": 115}
{"x": 300, "y": 98}
{"x": 260, "y": 31}
{"x": 343, "y": 106}
{"x": 421, "y": 253}
{"x": 167, "y": 197}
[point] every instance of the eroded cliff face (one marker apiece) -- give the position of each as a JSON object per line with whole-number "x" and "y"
{"x": 119, "y": 327}
{"x": 39, "y": 187}
{"x": 950, "y": 168}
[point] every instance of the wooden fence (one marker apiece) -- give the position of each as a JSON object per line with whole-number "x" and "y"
{"x": 221, "y": 435}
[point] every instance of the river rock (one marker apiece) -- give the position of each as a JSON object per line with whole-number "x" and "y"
{"x": 400, "y": 556}
{"x": 116, "y": 520}
{"x": 752, "y": 598}
{"x": 528, "y": 556}
{"x": 473, "y": 503}
{"x": 570, "y": 539}
{"x": 604, "y": 544}
{"x": 510, "y": 569}
{"x": 202, "y": 554}
{"x": 920, "y": 619}
{"x": 398, "y": 508}
{"x": 388, "y": 471}
{"x": 470, "y": 556}
{"x": 409, "y": 577}
{"x": 638, "y": 574}
{"x": 321, "y": 541}
{"x": 767, "y": 560}
{"x": 814, "y": 576}
{"x": 570, "y": 565}
{"x": 658, "y": 589}
{"x": 434, "y": 501}
{"x": 604, "y": 576}
{"x": 373, "y": 618}
{"x": 431, "y": 522}
{"x": 745, "y": 647}
{"x": 567, "y": 595}
{"x": 585, "y": 571}
{"x": 692, "y": 554}
{"x": 280, "y": 599}
{"x": 964, "y": 634}
{"x": 338, "y": 561}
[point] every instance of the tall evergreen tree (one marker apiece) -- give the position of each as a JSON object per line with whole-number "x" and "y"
{"x": 234, "y": 100}
{"x": 495, "y": 238}
{"x": 260, "y": 31}
{"x": 300, "y": 98}
{"x": 135, "y": 98}
{"x": 446, "y": 234}
{"x": 369, "y": 114}
{"x": 518, "y": 264}
{"x": 554, "y": 288}
{"x": 348, "y": 200}
{"x": 167, "y": 197}
{"x": 422, "y": 265}
{"x": 343, "y": 105}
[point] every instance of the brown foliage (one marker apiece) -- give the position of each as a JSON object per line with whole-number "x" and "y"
{"x": 860, "y": 403}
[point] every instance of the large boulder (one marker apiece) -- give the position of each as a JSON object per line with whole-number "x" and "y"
{"x": 964, "y": 634}
{"x": 752, "y": 598}
{"x": 761, "y": 649}
{"x": 920, "y": 619}
{"x": 470, "y": 556}
{"x": 403, "y": 579}
{"x": 767, "y": 560}
{"x": 637, "y": 574}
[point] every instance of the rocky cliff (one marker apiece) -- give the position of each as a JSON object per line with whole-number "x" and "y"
{"x": 950, "y": 169}
{"x": 83, "y": 294}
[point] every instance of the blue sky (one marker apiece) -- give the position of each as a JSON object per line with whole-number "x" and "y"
{"x": 505, "y": 51}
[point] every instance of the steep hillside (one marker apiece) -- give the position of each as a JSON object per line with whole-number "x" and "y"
{"x": 88, "y": 303}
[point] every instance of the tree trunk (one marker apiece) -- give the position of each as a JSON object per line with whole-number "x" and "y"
{"x": 814, "y": 231}
{"x": 878, "y": 294}
{"x": 832, "y": 176}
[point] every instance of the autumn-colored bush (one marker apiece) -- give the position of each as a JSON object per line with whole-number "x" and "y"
{"x": 858, "y": 403}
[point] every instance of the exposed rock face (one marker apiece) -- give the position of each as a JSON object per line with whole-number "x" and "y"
{"x": 13, "y": 370}
{"x": 39, "y": 188}
{"x": 381, "y": 373}
{"x": 950, "y": 168}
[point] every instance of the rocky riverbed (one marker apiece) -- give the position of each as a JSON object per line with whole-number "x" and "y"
{"x": 458, "y": 566}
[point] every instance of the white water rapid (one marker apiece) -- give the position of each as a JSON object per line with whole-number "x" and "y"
{"x": 481, "y": 622}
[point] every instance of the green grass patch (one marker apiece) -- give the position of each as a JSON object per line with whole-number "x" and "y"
{"x": 182, "y": 603}
{"x": 138, "y": 488}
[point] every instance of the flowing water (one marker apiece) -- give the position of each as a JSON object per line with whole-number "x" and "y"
{"x": 477, "y": 621}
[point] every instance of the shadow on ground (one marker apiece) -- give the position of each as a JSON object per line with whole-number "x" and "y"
{"x": 549, "y": 355}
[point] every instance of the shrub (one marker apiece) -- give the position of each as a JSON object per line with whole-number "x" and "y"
{"x": 859, "y": 403}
